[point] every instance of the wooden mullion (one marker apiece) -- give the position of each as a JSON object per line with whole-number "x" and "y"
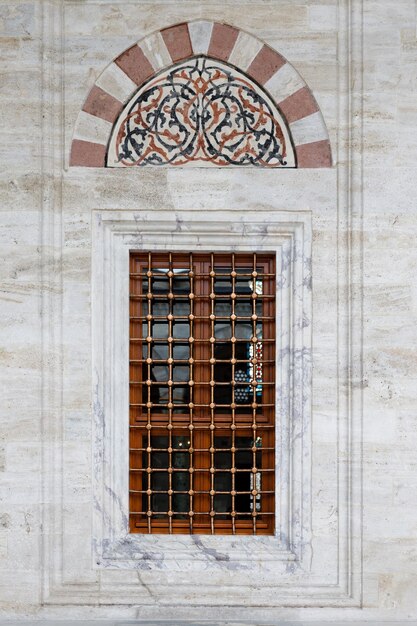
{"x": 202, "y": 330}
{"x": 135, "y": 350}
{"x": 268, "y": 436}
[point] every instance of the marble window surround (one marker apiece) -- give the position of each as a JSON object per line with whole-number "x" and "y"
{"x": 289, "y": 235}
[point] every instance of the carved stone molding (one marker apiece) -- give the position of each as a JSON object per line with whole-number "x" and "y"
{"x": 289, "y": 235}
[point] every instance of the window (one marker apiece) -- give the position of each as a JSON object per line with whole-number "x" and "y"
{"x": 202, "y": 389}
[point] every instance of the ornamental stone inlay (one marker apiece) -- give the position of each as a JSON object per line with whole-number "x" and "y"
{"x": 200, "y": 112}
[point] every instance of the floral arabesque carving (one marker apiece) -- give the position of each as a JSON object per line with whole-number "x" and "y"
{"x": 200, "y": 111}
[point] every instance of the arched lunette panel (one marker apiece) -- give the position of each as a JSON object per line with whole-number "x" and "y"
{"x": 271, "y": 77}
{"x": 202, "y": 112}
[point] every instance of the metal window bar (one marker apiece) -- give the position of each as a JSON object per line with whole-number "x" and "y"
{"x": 251, "y": 499}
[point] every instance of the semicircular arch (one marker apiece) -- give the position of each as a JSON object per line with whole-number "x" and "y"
{"x": 276, "y": 89}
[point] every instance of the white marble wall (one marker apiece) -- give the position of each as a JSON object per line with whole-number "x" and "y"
{"x": 46, "y": 491}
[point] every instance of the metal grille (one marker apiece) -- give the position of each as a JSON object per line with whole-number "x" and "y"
{"x": 202, "y": 363}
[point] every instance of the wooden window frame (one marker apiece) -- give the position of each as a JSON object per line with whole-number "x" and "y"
{"x": 265, "y": 420}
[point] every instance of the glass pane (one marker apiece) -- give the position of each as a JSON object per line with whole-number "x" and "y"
{"x": 159, "y": 351}
{"x": 180, "y": 373}
{"x": 160, "y": 309}
{"x": 256, "y": 286}
{"x": 159, "y": 503}
{"x": 222, "y": 442}
{"x": 162, "y": 394}
{"x": 243, "y": 457}
{"x": 180, "y": 480}
{"x": 157, "y": 441}
{"x": 223, "y": 395}
{"x": 160, "y": 284}
{"x": 181, "y": 282}
{"x": 223, "y": 460}
{"x": 222, "y": 284}
{"x": 159, "y": 480}
{"x": 222, "y": 481}
{"x": 243, "y": 391}
{"x": 181, "y": 395}
{"x": 222, "y": 308}
{"x": 223, "y": 503}
{"x": 160, "y": 373}
{"x": 223, "y": 351}
{"x": 243, "y": 308}
{"x": 180, "y": 504}
{"x": 243, "y": 330}
{"x": 181, "y": 351}
{"x": 159, "y": 330}
{"x": 222, "y": 330}
{"x": 181, "y": 308}
{"x": 243, "y": 285}
{"x": 181, "y": 330}
{"x": 181, "y": 441}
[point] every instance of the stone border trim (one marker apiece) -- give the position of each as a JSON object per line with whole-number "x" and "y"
{"x": 157, "y": 51}
{"x": 289, "y": 234}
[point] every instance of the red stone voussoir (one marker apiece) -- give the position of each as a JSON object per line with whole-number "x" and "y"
{"x": 223, "y": 38}
{"x": 134, "y": 64}
{"x": 87, "y": 154}
{"x": 102, "y": 104}
{"x": 177, "y": 40}
{"x": 315, "y": 154}
{"x": 298, "y": 105}
{"x": 265, "y": 64}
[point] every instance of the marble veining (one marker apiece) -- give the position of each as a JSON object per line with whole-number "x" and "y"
{"x": 114, "y": 235}
{"x": 359, "y": 59}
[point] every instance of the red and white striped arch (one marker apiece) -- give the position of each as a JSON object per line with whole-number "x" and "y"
{"x": 118, "y": 83}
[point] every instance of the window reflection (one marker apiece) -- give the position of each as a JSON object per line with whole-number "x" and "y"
{"x": 243, "y": 330}
{"x": 160, "y": 482}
